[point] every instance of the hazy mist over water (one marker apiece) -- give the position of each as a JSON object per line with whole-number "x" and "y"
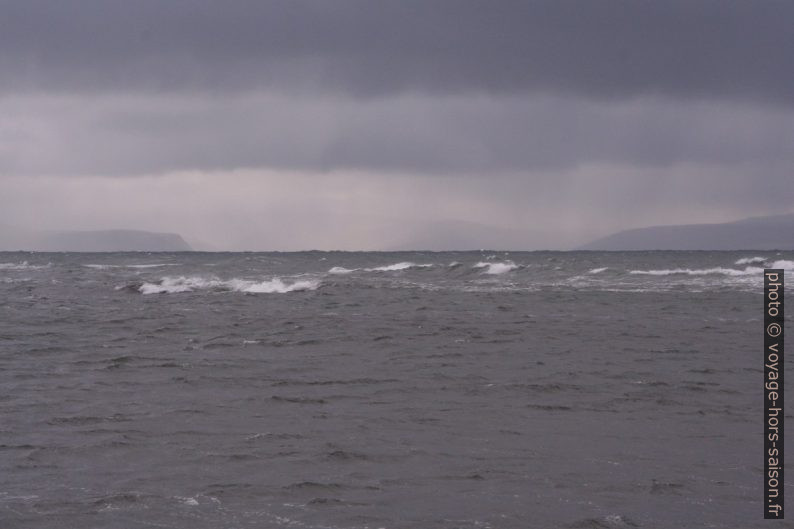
{"x": 400, "y": 390}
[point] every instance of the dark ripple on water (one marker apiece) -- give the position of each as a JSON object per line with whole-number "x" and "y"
{"x": 336, "y": 390}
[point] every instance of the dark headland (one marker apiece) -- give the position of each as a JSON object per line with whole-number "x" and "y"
{"x": 756, "y": 233}
{"x": 93, "y": 241}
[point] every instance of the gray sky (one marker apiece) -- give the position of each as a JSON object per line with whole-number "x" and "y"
{"x": 391, "y": 124}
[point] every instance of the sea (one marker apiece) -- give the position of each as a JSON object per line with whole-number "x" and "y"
{"x": 367, "y": 390}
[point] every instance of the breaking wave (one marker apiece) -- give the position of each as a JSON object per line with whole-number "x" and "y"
{"x": 598, "y": 270}
{"x": 24, "y": 265}
{"x": 110, "y": 266}
{"x": 496, "y": 268}
{"x": 750, "y": 260}
{"x": 397, "y": 266}
{"x": 175, "y": 285}
{"x": 786, "y": 265}
{"x": 748, "y": 271}
{"x": 340, "y": 270}
{"x": 405, "y": 265}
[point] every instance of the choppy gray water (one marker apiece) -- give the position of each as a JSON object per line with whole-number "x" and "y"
{"x": 368, "y": 390}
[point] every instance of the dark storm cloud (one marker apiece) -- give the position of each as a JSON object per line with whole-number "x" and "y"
{"x": 617, "y": 49}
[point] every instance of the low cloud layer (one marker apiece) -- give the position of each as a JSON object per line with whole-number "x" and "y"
{"x": 355, "y": 124}
{"x": 129, "y": 135}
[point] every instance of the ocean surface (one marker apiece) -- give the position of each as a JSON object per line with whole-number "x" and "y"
{"x": 469, "y": 390}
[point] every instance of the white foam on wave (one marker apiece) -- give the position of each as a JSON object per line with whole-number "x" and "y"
{"x": 340, "y": 270}
{"x": 732, "y": 272}
{"x": 109, "y": 266}
{"x": 24, "y": 265}
{"x": 274, "y": 286}
{"x": 188, "y": 500}
{"x": 153, "y": 265}
{"x": 175, "y": 285}
{"x": 598, "y": 270}
{"x": 397, "y": 267}
{"x": 782, "y": 263}
{"x": 750, "y": 260}
{"x": 750, "y": 270}
{"x": 496, "y": 268}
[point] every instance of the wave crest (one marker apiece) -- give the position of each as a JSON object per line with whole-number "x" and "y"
{"x": 397, "y": 267}
{"x": 750, "y": 270}
{"x": 750, "y": 260}
{"x": 340, "y": 270}
{"x": 732, "y": 272}
{"x": 175, "y": 285}
{"x": 24, "y": 265}
{"x": 496, "y": 268}
{"x": 782, "y": 263}
{"x": 110, "y": 266}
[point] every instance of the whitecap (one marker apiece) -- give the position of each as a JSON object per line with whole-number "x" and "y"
{"x": 747, "y": 271}
{"x": 339, "y": 270}
{"x": 786, "y": 265}
{"x": 750, "y": 270}
{"x": 24, "y": 265}
{"x": 496, "y": 268}
{"x": 188, "y": 501}
{"x": 153, "y": 265}
{"x": 405, "y": 265}
{"x": 396, "y": 267}
{"x": 109, "y": 266}
{"x": 274, "y": 286}
{"x": 598, "y": 270}
{"x": 750, "y": 260}
{"x": 175, "y": 285}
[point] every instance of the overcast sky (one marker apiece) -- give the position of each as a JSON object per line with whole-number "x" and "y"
{"x": 393, "y": 124}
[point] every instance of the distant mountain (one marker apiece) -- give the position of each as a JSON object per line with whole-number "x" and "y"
{"x": 94, "y": 241}
{"x": 757, "y": 233}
